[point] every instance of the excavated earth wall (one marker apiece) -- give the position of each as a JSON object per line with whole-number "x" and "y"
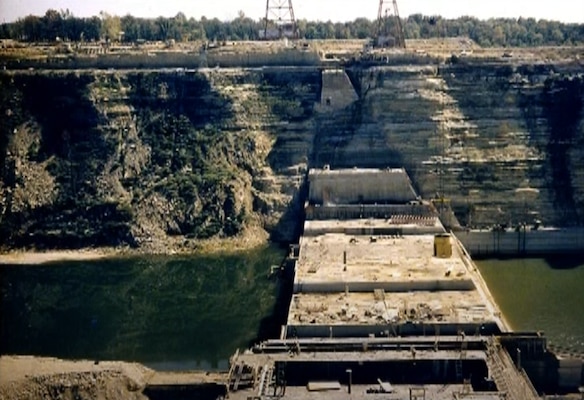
{"x": 161, "y": 159}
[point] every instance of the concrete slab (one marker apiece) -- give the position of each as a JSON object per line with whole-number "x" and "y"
{"x": 350, "y": 186}
{"x": 347, "y": 259}
{"x": 373, "y": 309}
{"x": 396, "y": 225}
{"x": 360, "y": 357}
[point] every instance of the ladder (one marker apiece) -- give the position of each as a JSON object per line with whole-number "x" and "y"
{"x": 458, "y": 362}
{"x": 458, "y": 368}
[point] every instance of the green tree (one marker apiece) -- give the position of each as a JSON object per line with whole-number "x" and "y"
{"x": 32, "y": 28}
{"x": 111, "y": 26}
{"x": 494, "y": 32}
{"x": 131, "y": 28}
{"x": 362, "y": 28}
{"x": 53, "y": 25}
{"x": 498, "y": 36}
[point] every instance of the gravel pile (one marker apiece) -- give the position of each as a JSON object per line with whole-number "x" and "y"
{"x": 101, "y": 385}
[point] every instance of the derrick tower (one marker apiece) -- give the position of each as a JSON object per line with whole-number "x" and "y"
{"x": 279, "y": 21}
{"x": 390, "y": 31}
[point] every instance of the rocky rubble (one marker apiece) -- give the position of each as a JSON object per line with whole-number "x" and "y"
{"x": 105, "y": 385}
{"x": 32, "y": 378}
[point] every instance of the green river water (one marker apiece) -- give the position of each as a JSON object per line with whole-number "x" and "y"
{"x": 166, "y": 312}
{"x": 540, "y": 294}
{"x": 194, "y": 312}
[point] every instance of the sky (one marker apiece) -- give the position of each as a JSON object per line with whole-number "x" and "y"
{"x": 335, "y": 10}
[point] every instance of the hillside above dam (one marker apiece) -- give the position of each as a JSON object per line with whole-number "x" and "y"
{"x": 162, "y": 158}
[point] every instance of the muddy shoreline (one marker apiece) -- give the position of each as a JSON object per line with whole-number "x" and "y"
{"x": 35, "y": 258}
{"x": 251, "y": 239}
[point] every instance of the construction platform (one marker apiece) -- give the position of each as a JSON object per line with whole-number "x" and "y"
{"x": 386, "y": 305}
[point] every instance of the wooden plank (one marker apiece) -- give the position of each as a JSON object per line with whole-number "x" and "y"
{"x": 323, "y": 386}
{"x": 385, "y": 386}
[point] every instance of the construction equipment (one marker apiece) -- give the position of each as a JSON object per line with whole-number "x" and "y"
{"x": 390, "y": 31}
{"x": 280, "y": 21}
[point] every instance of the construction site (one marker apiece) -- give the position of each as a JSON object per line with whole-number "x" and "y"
{"x": 375, "y": 158}
{"x": 386, "y": 304}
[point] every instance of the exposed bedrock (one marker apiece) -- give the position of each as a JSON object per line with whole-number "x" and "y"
{"x": 502, "y": 143}
{"x": 160, "y": 159}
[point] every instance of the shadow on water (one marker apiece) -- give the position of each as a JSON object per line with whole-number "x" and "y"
{"x": 565, "y": 261}
{"x": 554, "y": 261}
{"x": 270, "y": 326}
{"x": 535, "y": 294}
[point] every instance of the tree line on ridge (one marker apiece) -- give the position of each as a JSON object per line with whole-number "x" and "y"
{"x": 63, "y": 25}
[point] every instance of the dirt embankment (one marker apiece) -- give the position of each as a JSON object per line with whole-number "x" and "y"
{"x": 155, "y": 160}
{"x": 31, "y": 378}
{"x": 251, "y": 238}
{"x": 33, "y": 258}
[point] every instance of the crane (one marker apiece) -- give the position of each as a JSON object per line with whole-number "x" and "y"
{"x": 383, "y": 37}
{"x": 281, "y": 14}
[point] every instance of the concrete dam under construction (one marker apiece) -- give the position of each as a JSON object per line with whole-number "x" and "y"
{"x": 387, "y": 304}
{"x": 159, "y": 151}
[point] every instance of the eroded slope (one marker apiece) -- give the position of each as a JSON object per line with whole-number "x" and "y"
{"x": 162, "y": 159}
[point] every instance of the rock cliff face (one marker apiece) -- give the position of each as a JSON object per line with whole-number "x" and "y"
{"x": 164, "y": 158}
{"x": 151, "y": 159}
{"x": 502, "y": 143}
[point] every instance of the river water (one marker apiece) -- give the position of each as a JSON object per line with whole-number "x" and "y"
{"x": 194, "y": 312}
{"x": 166, "y": 312}
{"x": 541, "y": 295}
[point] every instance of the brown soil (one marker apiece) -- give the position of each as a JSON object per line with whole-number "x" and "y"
{"x": 31, "y": 378}
{"x": 33, "y": 258}
{"x": 252, "y": 237}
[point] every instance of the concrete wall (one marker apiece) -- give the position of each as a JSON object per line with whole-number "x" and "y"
{"x": 320, "y": 212}
{"x": 403, "y": 329}
{"x": 396, "y": 230}
{"x": 337, "y": 90}
{"x": 354, "y": 186}
{"x": 365, "y": 287}
{"x": 283, "y": 57}
{"x": 530, "y": 242}
{"x": 570, "y": 374}
{"x": 172, "y": 59}
{"x": 112, "y": 60}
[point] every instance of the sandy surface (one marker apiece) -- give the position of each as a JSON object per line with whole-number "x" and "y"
{"x": 24, "y": 377}
{"x": 31, "y": 258}
{"x": 14, "y": 368}
{"x": 251, "y": 238}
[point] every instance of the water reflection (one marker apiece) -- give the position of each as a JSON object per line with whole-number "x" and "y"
{"x": 171, "y": 313}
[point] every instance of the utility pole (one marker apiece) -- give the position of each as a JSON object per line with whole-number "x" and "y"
{"x": 384, "y": 13}
{"x": 281, "y": 14}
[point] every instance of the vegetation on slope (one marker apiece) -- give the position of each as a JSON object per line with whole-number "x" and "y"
{"x": 124, "y": 158}
{"x": 157, "y": 160}
{"x": 50, "y": 157}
